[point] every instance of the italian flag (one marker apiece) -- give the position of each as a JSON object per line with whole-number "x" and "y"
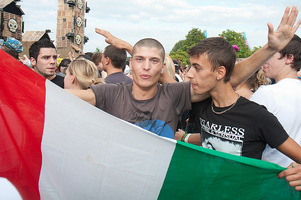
{"x": 53, "y": 145}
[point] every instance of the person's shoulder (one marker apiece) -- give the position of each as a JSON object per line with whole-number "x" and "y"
{"x": 58, "y": 80}
{"x": 257, "y": 112}
{"x": 109, "y": 88}
{"x": 109, "y": 85}
{"x": 286, "y": 82}
{"x": 108, "y": 78}
{"x": 289, "y": 82}
{"x": 263, "y": 92}
{"x": 58, "y": 77}
{"x": 118, "y": 77}
{"x": 250, "y": 105}
{"x": 267, "y": 87}
{"x": 101, "y": 86}
{"x": 128, "y": 80}
{"x": 176, "y": 84}
{"x": 175, "y": 90}
{"x": 61, "y": 77}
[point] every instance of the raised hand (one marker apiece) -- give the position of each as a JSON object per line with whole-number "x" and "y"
{"x": 115, "y": 41}
{"x": 278, "y": 39}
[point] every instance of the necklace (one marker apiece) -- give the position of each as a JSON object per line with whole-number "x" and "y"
{"x": 218, "y": 113}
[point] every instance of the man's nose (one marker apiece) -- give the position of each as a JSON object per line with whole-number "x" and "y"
{"x": 189, "y": 73}
{"x": 53, "y": 60}
{"x": 147, "y": 64}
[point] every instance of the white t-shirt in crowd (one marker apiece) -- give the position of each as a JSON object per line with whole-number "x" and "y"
{"x": 283, "y": 99}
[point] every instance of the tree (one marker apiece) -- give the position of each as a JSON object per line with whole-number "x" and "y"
{"x": 180, "y": 48}
{"x": 97, "y": 50}
{"x": 177, "y": 46}
{"x": 237, "y": 39}
{"x": 256, "y": 49}
{"x": 181, "y": 55}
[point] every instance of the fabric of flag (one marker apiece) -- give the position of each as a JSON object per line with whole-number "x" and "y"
{"x": 56, "y": 146}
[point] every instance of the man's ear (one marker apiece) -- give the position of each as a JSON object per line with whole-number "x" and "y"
{"x": 130, "y": 64}
{"x": 289, "y": 59}
{"x": 107, "y": 60}
{"x": 33, "y": 61}
{"x": 163, "y": 67}
{"x": 220, "y": 72}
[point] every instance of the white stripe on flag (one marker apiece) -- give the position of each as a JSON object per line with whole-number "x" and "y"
{"x": 89, "y": 154}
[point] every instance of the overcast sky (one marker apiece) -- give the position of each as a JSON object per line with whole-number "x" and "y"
{"x": 166, "y": 20}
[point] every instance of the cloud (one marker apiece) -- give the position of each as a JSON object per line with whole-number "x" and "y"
{"x": 173, "y": 23}
{"x": 168, "y": 21}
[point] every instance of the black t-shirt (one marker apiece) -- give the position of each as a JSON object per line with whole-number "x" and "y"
{"x": 243, "y": 130}
{"x": 58, "y": 80}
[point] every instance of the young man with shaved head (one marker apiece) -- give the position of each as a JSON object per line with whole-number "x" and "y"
{"x": 145, "y": 102}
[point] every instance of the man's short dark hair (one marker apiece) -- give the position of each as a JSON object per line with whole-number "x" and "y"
{"x": 85, "y": 56}
{"x": 219, "y": 51}
{"x": 65, "y": 62}
{"x": 96, "y": 58}
{"x": 117, "y": 56}
{"x": 150, "y": 43}
{"x": 90, "y": 55}
{"x": 34, "y": 49}
{"x": 293, "y": 48}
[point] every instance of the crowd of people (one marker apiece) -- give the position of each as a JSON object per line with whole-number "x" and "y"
{"x": 215, "y": 89}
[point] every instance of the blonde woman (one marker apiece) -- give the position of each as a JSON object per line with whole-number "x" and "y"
{"x": 247, "y": 88}
{"x": 169, "y": 66}
{"x": 81, "y": 74}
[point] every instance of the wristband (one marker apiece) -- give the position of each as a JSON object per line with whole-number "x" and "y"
{"x": 183, "y": 137}
{"x": 78, "y": 51}
{"x": 186, "y": 138}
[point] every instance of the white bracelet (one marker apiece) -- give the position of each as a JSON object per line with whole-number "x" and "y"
{"x": 186, "y": 138}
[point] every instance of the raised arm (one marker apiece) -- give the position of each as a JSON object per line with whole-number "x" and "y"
{"x": 70, "y": 56}
{"x": 277, "y": 40}
{"x": 116, "y": 42}
{"x": 77, "y": 49}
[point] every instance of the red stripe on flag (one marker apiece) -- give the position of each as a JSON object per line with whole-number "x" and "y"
{"x": 22, "y": 106}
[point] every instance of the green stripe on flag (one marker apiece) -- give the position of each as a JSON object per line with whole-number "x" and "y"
{"x": 199, "y": 173}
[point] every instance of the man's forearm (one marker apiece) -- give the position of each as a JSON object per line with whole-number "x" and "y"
{"x": 128, "y": 47}
{"x": 195, "y": 139}
{"x": 86, "y": 95}
{"x": 243, "y": 70}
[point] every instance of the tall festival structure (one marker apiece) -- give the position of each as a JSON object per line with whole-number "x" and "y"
{"x": 11, "y": 22}
{"x": 71, "y": 25}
